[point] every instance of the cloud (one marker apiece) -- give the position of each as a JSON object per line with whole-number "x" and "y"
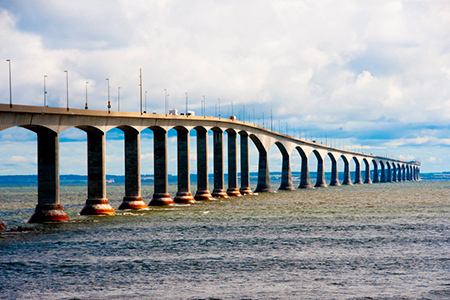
{"x": 373, "y": 72}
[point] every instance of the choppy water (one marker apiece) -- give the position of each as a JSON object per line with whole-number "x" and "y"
{"x": 380, "y": 241}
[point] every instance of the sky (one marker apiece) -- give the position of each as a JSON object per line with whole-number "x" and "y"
{"x": 372, "y": 75}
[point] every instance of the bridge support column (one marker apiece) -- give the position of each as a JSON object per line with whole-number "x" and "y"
{"x": 403, "y": 173}
{"x": 161, "y": 194}
{"x": 376, "y": 177}
{"x": 394, "y": 173}
{"x": 389, "y": 173}
{"x": 358, "y": 178}
{"x": 399, "y": 177}
{"x": 133, "y": 199}
{"x": 367, "y": 179}
{"x": 383, "y": 174}
{"x": 334, "y": 172}
{"x": 97, "y": 203}
{"x": 286, "y": 176}
{"x": 218, "y": 191}
{"x": 347, "y": 177}
{"x": 320, "y": 182}
{"x": 263, "y": 173}
{"x": 305, "y": 183}
{"x": 233, "y": 189}
{"x": 49, "y": 208}
{"x": 408, "y": 173}
{"x": 184, "y": 183}
{"x": 245, "y": 174}
{"x": 203, "y": 192}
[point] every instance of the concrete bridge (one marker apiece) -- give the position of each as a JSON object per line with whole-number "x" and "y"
{"x": 48, "y": 123}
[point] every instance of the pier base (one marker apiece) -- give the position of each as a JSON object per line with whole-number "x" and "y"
{"x": 321, "y": 185}
{"x": 264, "y": 190}
{"x": 220, "y": 193}
{"x": 184, "y": 197}
{"x": 161, "y": 199}
{"x": 2, "y": 226}
{"x": 305, "y": 186}
{"x": 287, "y": 188}
{"x": 203, "y": 195}
{"x": 96, "y": 207}
{"x": 133, "y": 203}
{"x": 48, "y": 213}
{"x": 246, "y": 191}
{"x": 234, "y": 192}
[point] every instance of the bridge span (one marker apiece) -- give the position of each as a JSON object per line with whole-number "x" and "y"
{"x": 49, "y": 122}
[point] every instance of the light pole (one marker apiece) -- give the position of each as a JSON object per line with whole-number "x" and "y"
{"x": 145, "y": 110}
{"x": 219, "y": 108}
{"x": 45, "y": 91}
{"x": 109, "y": 102}
{"x": 232, "y": 112}
{"x": 10, "y": 87}
{"x": 243, "y": 113}
{"x": 186, "y": 104}
{"x": 140, "y": 87}
{"x": 263, "y": 119}
{"x": 254, "y": 116}
{"x": 204, "y": 107}
{"x": 86, "y": 104}
{"x": 271, "y": 120}
{"x": 118, "y": 98}
{"x": 67, "y": 88}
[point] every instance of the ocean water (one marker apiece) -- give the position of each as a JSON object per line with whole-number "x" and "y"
{"x": 379, "y": 241}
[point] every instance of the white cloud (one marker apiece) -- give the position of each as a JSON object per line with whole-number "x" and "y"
{"x": 378, "y": 70}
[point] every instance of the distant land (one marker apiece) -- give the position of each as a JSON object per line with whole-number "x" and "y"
{"x": 147, "y": 179}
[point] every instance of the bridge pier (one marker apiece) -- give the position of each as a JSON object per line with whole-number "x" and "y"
{"x": 203, "y": 192}
{"x": 394, "y": 173}
{"x": 367, "y": 179}
{"x": 184, "y": 183}
{"x": 263, "y": 185}
{"x": 286, "y": 175}
{"x": 305, "y": 182}
{"x": 2, "y": 226}
{"x": 403, "y": 173}
{"x": 133, "y": 199}
{"x": 347, "y": 177}
{"x": 245, "y": 174}
{"x": 97, "y": 203}
{"x": 233, "y": 189}
{"x": 383, "y": 174}
{"x": 219, "y": 191}
{"x": 376, "y": 177}
{"x": 161, "y": 194}
{"x": 358, "y": 177}
{"x": 320, "y": 182}
{"x": 389, "y": 173}
{"x": 49, "y": 208}
{"x": 334, "y": 172}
